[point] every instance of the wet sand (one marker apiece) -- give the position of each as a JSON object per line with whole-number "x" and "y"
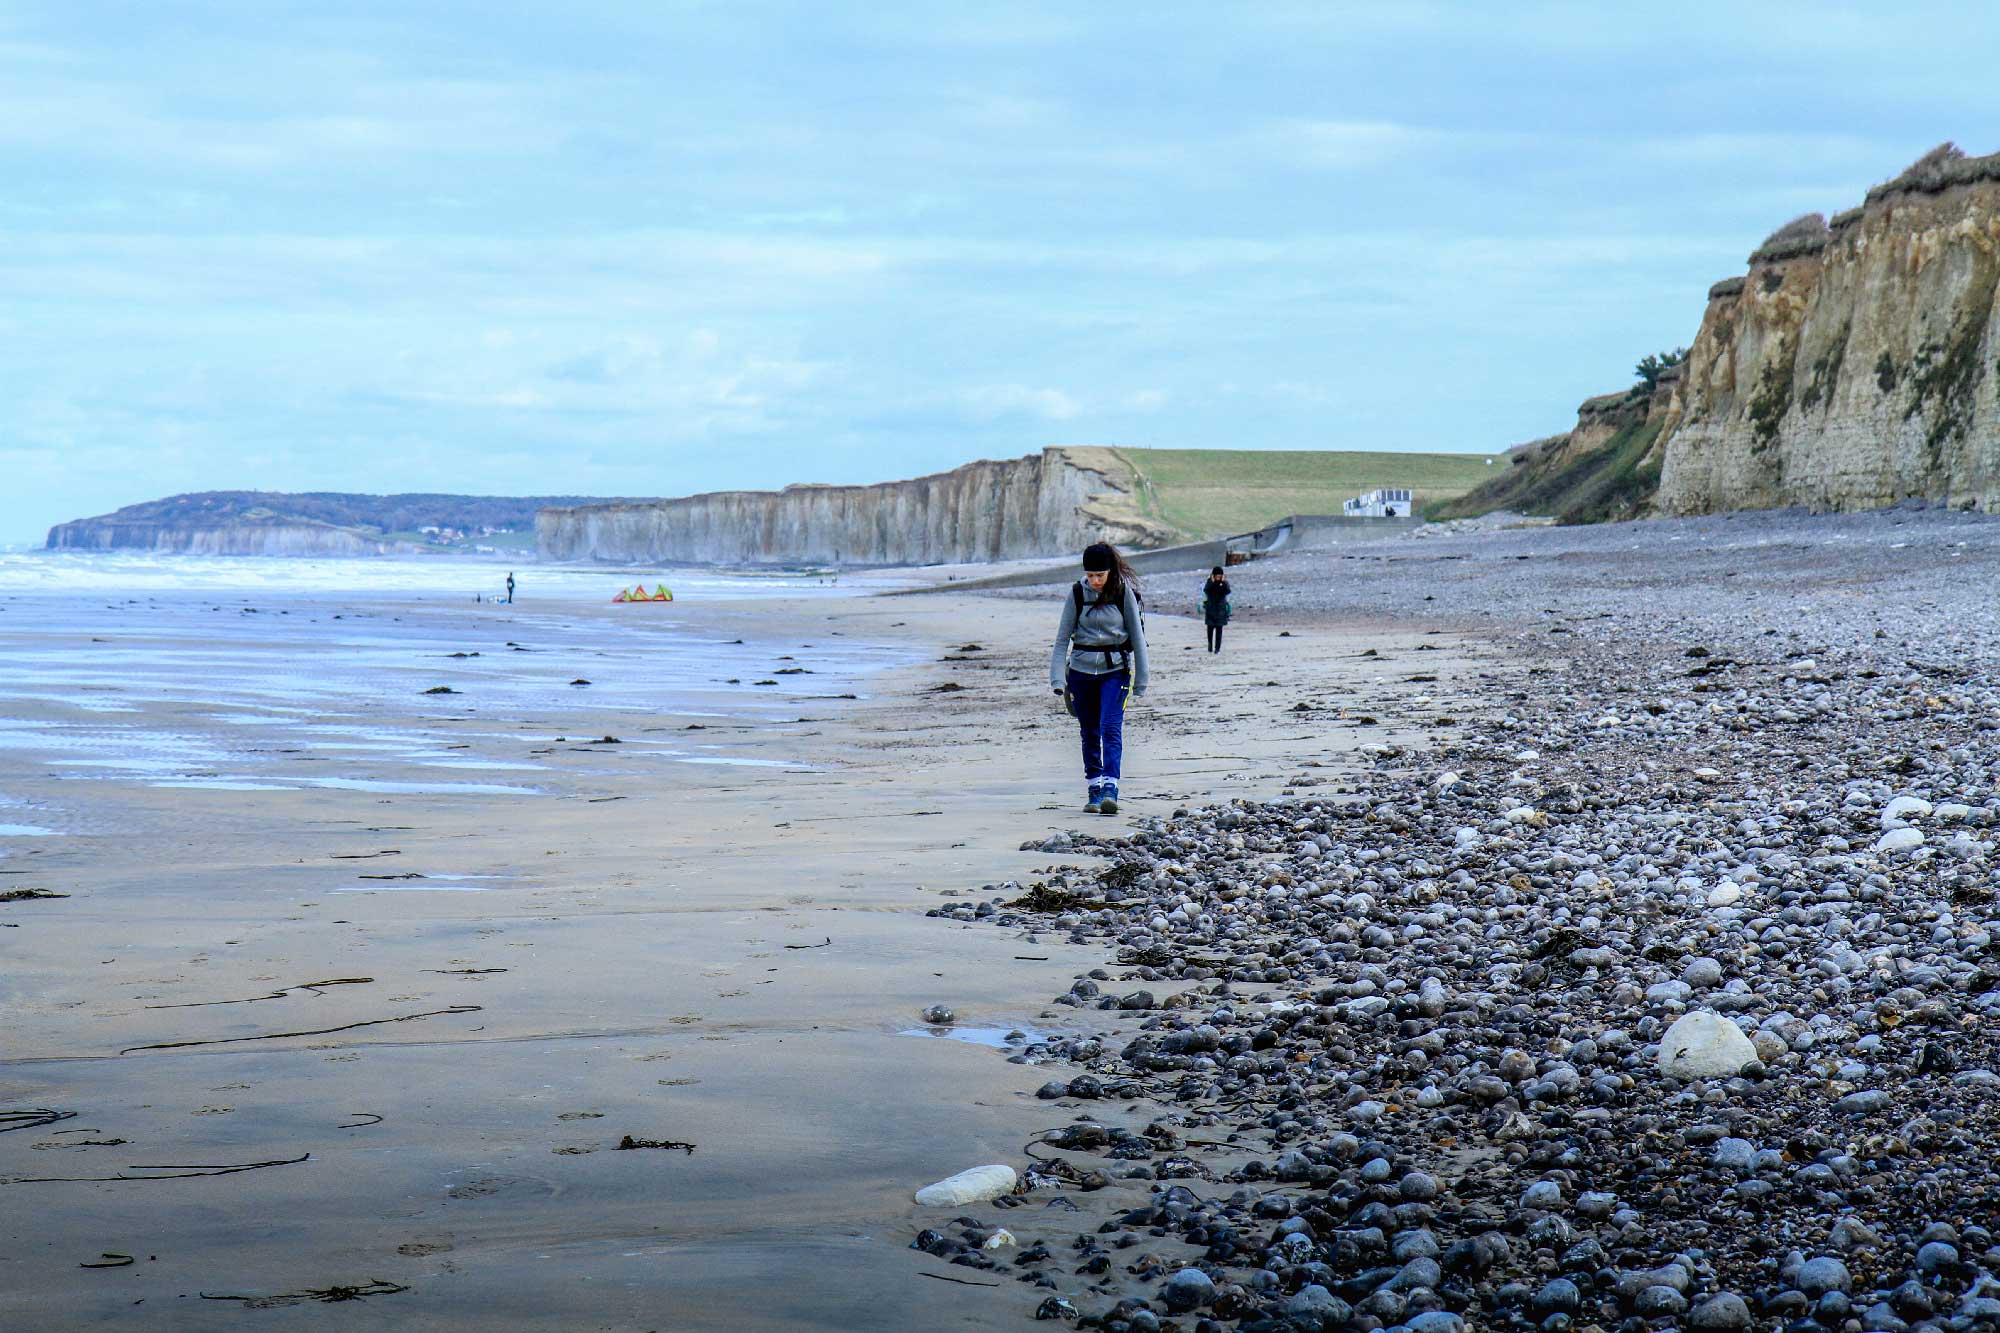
{"x": 727, "y": 954}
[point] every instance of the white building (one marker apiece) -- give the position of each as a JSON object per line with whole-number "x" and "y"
{"x": 1386, "y": 502}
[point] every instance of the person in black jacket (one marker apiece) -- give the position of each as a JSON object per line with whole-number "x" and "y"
{"x": 1215, "y": 607}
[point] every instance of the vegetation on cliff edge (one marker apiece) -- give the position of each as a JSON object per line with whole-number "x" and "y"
{"x": 1205, "y": 493}
{"x": 1616, "y": 480}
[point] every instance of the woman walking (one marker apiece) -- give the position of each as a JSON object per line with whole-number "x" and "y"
{"x": 1215, "y": 607}
{"x": 1100, "y": 656}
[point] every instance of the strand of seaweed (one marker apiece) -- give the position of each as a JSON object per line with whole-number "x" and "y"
{"x": 328, "y": 1295}
{"x": 175, "y": 1172}
{"x": 32, "y": 1119}
{"x": 279, "y": 994}
{"x": 311, "y": 1032}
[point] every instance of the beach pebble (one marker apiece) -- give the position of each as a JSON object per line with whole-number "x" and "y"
{"x": 1724, "y": 1313}
{"x": 1315, "y": 1301}
{"x": 1818, "y": 1276}
{"x": 1898, "y": 813}
{"x": 1418, "y": 1186}
{"x": 1702, "y": 973}
{"x": 1898, "y": 840}
{"x": 1436, "y": 1321}
{"x": 1701, "y": 1044}
{"x": 1558, "y": 1296}
{"x": 975, "y": 1185}
{"x": 1543, "y": 1194}
{"x": 1734, "y": 1153}
{"x": 1936, "y": 1255}
{"x": 1659, "y": 1300}
{"x": 1188, "y": 1289}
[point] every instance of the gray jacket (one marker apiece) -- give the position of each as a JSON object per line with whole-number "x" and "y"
{"x": 1081, "y": 640}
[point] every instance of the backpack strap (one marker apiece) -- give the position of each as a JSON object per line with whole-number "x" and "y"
{"x": 1124, "y": 650}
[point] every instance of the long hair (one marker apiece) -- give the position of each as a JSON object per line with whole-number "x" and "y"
{"x": 1115, "y": 579}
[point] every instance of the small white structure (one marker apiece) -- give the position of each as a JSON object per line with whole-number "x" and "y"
{"x": 1385, "y": 502}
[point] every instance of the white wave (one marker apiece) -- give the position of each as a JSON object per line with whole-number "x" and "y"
{"x": 141, "y": 572}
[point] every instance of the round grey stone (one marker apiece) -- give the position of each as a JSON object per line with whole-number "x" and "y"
{"x": 1702, "y": 973}
{"x": 1558, "y": 1296}
{"x": 1819, "y": 1276}
{"x": 1187, "y": 1290}
{"x": 1734, "y": 1153}
{"x": 1935, "y": 1255}
{"x": 1436, "y": 1321}
{"x": 1312, "y": 1299}
{"x": 1659, "y": 1300}
{"x": 1418, "y": 1186}
{"x": 1542, "y": 1194}
{"x": 1726, "y": 1313}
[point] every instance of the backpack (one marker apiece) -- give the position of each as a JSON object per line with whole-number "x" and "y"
{"x": 1124, "y": 650}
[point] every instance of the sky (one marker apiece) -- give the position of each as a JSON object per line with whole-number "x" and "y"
{"x": 665, "y": 247}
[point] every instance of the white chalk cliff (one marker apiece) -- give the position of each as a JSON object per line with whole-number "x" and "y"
{"x": 1054, "y": 501}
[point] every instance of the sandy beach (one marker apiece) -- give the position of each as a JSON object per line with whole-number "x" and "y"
{"x": 731, "y": 954}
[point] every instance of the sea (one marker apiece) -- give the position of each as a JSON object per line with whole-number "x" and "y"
{"x": 122, "y": 670}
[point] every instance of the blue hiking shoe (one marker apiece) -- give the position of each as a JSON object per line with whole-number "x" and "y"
{"x": 1093, "y": 804}
{"x": 1107, "y": 799}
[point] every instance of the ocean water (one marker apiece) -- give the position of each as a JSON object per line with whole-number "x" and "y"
{"x": 257, "y": 674}
{"x": 416, "y": 576}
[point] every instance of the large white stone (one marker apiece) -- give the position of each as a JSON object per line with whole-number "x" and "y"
{"x": 974, "y": 1186}
{"x": 1899, "y": 812}
{"x": 1702, "y": 1044}
{"x": 1899, "y": 840}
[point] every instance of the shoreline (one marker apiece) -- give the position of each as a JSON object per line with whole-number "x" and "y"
{"x": 635, "y": 950}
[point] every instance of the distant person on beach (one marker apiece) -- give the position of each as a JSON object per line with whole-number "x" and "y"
{"x": 1100, "y": 657}
{"x": 1215, "y": 609}
{"x": 510, "y": 587}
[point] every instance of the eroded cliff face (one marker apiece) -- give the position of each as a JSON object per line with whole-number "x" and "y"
{"x": 315, "y": 523}
{"x": 1058, "y": 500}
{"x": 240, "y": 537}
{"x": 1855, "y": 365}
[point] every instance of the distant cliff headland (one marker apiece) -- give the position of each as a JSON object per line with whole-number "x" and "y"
{"x": 1056, "y": 500}
{"x": 317, "y": 523}
{"x": 1856, "y": 365}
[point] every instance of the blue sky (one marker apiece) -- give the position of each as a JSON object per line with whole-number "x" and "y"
{"x": 656, "y": 248}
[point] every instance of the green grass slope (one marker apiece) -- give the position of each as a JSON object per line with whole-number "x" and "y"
{"x": 1612, "y": 481}
{"x": 1219, "y": 492}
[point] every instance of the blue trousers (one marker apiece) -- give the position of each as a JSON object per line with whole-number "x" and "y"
{"x": 1099, "y": 705}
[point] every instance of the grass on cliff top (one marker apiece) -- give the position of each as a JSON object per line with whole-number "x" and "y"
{"x": 1221, "y": 492}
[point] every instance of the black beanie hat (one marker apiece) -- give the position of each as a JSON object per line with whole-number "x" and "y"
{"x": 1098, "y": 557}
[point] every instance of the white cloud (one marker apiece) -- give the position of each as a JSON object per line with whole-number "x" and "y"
{"x": 1005, "y": 400}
